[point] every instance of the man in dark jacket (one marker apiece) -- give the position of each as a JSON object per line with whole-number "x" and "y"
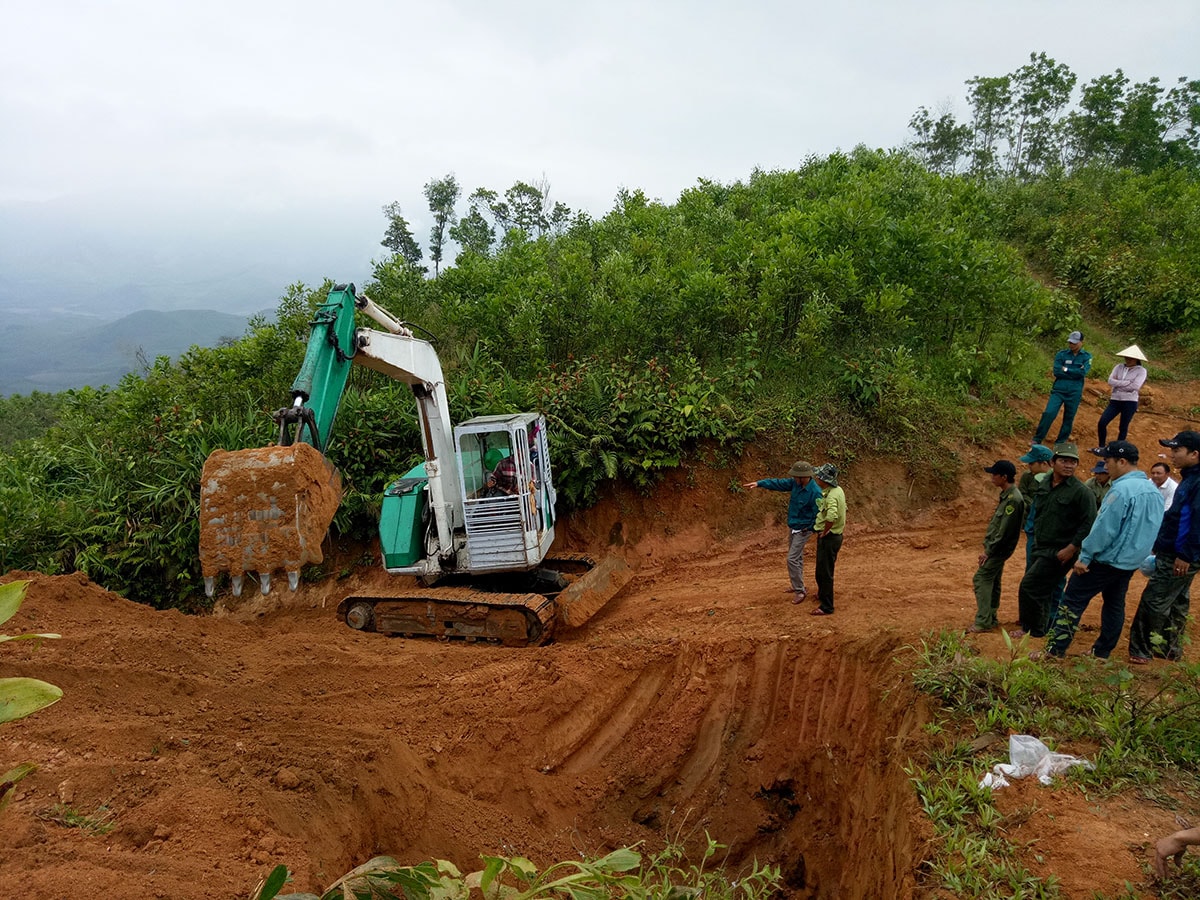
{"x": 1003, "y": 533}
{"x": 1158, "y": 626}
{"x": 1070, "y": 369}
{"x": 802, "y": 512}
{"x": 1062, "y": 517}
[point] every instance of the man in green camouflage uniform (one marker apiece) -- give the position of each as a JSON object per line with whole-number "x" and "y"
{"x": 1003, "y": 534}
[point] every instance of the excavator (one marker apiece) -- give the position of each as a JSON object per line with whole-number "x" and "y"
{"x": 473, "y": 525}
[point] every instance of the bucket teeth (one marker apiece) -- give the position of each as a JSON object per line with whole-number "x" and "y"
{"x": 237, "y": 584}
{"x": 293, "y": 579}
{"x": 210, "y": 586}
{"x": 265, "y": 583}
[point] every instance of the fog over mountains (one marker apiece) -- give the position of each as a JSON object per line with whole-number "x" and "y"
{"x": 89, "y": 290}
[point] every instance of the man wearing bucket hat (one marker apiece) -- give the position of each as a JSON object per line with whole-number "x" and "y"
{"x": 1070, "y": 369}
{"x": 802, "y": 512}
{"x": 1126, "y": 379}
{"x": 1003, "y": 533}
{"x": 1161, "y": 619}
{"x": 831, "y": 522}
{"x": 1062, "y": 517}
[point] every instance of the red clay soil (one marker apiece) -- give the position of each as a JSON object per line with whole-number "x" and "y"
{"x": 699, "y": 700}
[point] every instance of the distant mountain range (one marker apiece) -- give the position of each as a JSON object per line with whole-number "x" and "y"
{"x": 57, "y": 353}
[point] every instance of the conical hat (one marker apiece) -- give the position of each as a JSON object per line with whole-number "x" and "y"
{"x": 1132, "y": 351}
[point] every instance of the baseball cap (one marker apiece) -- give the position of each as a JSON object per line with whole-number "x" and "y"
{"x": 1001, "y": 467}
{"x": 1075, "y": 337}
{"x": 800, "y": 469}
{"x": 1119, "y": 450}
{"x": 1190, "y": 440}
{"x": 1038, "y": 453}
{"x": 1100, "y": 468}
{"x": 1067, "y": 450}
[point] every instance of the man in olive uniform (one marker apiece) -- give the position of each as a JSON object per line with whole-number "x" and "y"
{"x": 1003, "y": 534}
{"x": 1100, "y": 481}
{"x": 1063, "y": 513}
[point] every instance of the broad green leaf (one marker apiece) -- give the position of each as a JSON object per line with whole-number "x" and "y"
{"x": 492, "y": 866}
{"x": 525, "y": 869}
{"x": 273, "y": 883}
{"x": 11, "y": 595}
{"x": 25, "y": 637}
{"x": 21, "y": 696}
{"x": 620, "y": 860}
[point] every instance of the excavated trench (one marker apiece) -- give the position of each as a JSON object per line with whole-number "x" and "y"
{"x": 787, "y": 752}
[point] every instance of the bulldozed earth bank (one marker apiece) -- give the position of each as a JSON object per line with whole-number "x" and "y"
{"x": 700, "y": 700}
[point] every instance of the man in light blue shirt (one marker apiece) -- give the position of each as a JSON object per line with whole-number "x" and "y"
{"x": 1121, "y": 537}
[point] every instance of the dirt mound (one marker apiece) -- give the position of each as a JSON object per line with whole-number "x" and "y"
{"x": 700, "y": 699}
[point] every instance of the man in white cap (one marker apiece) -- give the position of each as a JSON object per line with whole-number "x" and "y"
{"x": 1126, "y": 380}
{"x": 1070, "y": 369}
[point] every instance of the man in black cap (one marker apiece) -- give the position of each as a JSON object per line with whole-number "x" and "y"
{"x": 1003, "y": 533}
{"x": 1070, "y": 369}
{"x": 1120, "y": 539}
{"x": 1158, "y": 626}
{"x": 1062, "y": 517}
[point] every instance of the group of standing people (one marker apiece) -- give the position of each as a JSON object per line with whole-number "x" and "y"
{"x": 1099, "y": 545}
{"x": 817, "y": 506}
{"x": 1099, "y": 532}
{"x": 1082, "y": 538}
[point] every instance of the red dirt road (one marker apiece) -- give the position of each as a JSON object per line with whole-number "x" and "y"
{"x": 700, "y": 699}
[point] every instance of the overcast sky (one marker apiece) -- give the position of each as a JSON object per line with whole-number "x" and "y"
{"x": 191, "y": 133}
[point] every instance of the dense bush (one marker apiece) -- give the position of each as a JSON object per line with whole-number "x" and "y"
{"x": 1128, "y": 240}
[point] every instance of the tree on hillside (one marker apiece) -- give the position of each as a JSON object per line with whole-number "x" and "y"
{"x": 473, "y": 232}
{"x": 524, "y": 207}
{"x": 399, "y": 238}
{"x": 1021, "y": 125}
{"x": 940, "y": 143}
{"x": 1042, "y": 89}
{"x": 991, "y": 102}
{"x": 442, "y": 194}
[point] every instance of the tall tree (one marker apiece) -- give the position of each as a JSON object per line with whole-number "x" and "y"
{"x": 399, "y": 238}
{"x": 1041, "y": 90}
{"x": 473, "y": 232}
{"x": 1095, "y": 132}
{"x": 940, "y": 142}
{"x": 442, "y": 194}
{"x": 991, "y": 105}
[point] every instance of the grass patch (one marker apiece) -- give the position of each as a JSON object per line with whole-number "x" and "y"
{"x": 98, "y": 822}
{"x": 1142, "y": 734}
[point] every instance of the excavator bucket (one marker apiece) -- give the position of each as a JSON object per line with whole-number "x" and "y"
{"x": 593, "y": 588}
{"x": 265, "y": 509}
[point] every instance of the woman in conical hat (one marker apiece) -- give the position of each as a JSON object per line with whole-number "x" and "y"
{"x": 1126, "y": 379}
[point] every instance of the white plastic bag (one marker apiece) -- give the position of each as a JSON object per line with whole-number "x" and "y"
{"x": 1029, "y": 756}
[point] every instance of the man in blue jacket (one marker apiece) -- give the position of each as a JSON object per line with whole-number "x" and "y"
{"x": 1070, "y": 369}
{"x": 802, "y": 513}
{"x": 1158, "y": 626}
{"x": 1121, "y": 537}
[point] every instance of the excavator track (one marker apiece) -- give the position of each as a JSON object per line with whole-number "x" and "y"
{"x": 514, "y": 620}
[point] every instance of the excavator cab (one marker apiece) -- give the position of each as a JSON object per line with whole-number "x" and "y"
{"x": 508, "y": 497}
